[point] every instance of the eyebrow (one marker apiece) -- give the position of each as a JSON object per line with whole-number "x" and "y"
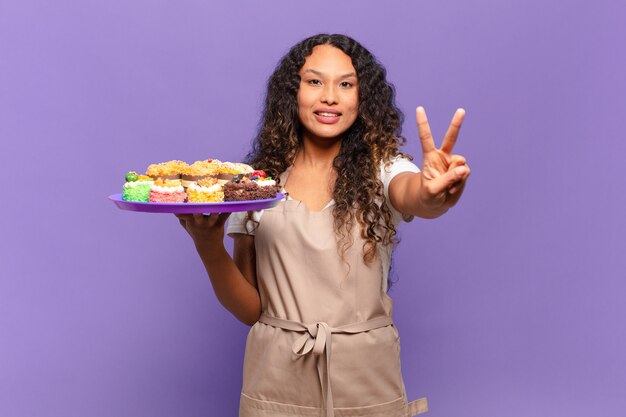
{"x": 350, "y": 74}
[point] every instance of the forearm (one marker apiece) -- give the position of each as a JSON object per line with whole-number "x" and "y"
{"x": 232, "y": 289}
{"x": 416, "y": 198}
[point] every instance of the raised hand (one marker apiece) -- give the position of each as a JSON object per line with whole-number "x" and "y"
{"x": 443, "y": 174}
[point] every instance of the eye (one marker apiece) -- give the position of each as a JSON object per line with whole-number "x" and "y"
{"x": 346, "y": 84}
{"x": 314, "y": 82}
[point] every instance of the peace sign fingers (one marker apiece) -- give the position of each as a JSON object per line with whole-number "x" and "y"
{"x": 426, "y": 137}
{"x": 423, "y": 129}
{"x": 443, "y": 175}
{"x": 453, "y": 131}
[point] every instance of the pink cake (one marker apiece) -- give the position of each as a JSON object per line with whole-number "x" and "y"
{"x": 167, "y": 191}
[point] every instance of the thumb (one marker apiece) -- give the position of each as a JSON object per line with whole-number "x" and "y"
{"x": 445, "y": 181}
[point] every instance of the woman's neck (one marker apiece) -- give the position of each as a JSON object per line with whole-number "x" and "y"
{"x": 317, "y": 154}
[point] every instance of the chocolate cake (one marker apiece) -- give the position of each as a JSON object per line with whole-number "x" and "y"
{"x": 247, "y": 190}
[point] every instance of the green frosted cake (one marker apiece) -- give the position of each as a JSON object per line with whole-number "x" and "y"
{"x": 137, "y": 187}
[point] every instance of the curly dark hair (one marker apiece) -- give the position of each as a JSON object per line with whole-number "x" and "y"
{"x": 374, "y": 138}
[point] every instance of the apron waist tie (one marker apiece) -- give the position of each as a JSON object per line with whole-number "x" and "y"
{"x": 317, "y": 340}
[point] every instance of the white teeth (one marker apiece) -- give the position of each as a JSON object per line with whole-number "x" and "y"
{"x": 321, "y": 113}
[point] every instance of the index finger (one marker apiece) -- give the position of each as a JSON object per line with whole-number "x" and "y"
{"x": 453, "y": 131}
{"x": 423, "y": 129}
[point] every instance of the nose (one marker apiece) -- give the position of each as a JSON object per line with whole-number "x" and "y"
{"x": 329, "y": 94}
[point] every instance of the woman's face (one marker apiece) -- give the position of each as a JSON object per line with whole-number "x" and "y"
{"x": 328, "y": 97}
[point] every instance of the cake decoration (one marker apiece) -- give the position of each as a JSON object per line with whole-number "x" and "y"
{"x": 132, "y": 176}
{"x": 258, "y": 173}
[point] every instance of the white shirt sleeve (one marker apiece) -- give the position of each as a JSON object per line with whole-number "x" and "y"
{"x": 387, "y": 173}
{"x": 237, "y": 222}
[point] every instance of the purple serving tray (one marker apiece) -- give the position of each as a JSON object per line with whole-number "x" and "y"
{"x": 182, "y": 208}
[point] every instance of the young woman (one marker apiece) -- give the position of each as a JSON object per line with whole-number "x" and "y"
{"x": 310, "y": 275}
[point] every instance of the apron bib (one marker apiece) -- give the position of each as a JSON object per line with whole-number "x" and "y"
{"x": 325, "y": 344}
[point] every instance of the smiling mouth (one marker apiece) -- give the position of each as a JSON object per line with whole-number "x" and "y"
{"x": 327, "y": 114}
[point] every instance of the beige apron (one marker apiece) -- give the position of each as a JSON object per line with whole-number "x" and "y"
{"x": 325, "y": 344}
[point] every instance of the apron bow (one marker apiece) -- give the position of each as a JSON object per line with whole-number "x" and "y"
{"x": 317, "y": 340}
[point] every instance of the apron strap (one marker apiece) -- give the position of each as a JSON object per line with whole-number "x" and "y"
{"x": 317, "y": 340}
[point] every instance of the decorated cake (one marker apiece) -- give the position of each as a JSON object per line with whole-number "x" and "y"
{"x": 170, "y": 170}
{"x": 200, "y": 170}
{"x": 243, "y": 188}
{"x": 206, "y": 190}
{"x": 228, "y": 170}
{"x": 137, "y": 187}
{"x": 167, "y": 191}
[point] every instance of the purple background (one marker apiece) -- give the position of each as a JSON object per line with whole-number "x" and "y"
{"x": 510, "y": 305}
